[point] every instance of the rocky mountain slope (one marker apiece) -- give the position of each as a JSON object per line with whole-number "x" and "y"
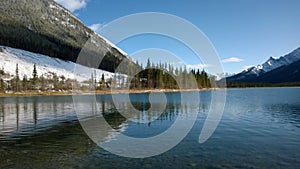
{"x": 283, "y": 74}
{"x": 45, "y": 27}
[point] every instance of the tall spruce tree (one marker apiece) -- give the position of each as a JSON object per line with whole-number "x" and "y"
{"x": 2, "y": 85}
{"x": 16, "y": 84}
{"x": 34, "y": 77}
{"x": 24, "y": 83}
{"x": 102, "y": 81}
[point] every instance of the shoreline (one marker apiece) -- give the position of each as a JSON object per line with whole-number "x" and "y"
{"x": 101, "y": 92}
{"x": 121, "y": 91}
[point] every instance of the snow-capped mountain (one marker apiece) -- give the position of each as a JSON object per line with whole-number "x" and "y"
{"x": 45, "y": 65}
{"x": 220, "y": 76}
{"x": 284, "y": 74}
{"x": 255, "y": 74}
{"x": 45, "y": 27}
{"x": 273, "y": 63}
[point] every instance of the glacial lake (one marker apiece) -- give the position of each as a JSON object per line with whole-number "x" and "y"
{"x": 260, "y": 128}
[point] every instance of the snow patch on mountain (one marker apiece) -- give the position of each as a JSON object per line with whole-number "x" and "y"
{"x": 66, "y": 20}
{"x": 45, "y": 65}
{"x": 114, "y": 46}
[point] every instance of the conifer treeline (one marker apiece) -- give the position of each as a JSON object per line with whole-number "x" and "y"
{"x": 51, "y": 82}
{"x": 165, "y": 76}
{"x": 159, "y": 76}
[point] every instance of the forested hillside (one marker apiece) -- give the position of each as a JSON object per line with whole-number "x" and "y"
{"x": 43, "y": 26}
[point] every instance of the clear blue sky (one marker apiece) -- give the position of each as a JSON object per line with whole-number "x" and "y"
{"x": 249, "y": 30}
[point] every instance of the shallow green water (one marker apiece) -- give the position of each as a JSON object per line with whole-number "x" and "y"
{"x": 260, "y": 128}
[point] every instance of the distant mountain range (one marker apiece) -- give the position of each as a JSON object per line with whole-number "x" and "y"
{"x": 285, "y": 69}
{"x": 45, "y": 27}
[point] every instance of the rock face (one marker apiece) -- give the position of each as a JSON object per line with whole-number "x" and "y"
{"x": 45, "y": 27}
{"x": 281, "y": 70}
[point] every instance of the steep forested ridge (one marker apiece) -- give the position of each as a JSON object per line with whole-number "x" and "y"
{"x": 43, "y": 26}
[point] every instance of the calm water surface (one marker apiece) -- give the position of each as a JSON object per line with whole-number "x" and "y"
{"x": 260, "y": 128}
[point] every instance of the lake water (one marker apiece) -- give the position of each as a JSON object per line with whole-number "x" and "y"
{"x": 260, "y": 128}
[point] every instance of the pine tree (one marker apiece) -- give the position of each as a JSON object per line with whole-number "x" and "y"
{"x": 95, "y": 79}
{"x": 55, "y": 82}
{"x": 42, "y": 82}
{"x": 149, "y": 72}
{"x": 34, "y": 77}
{"x": 92, "y": 85}
{"x": 62, "y": 82}
{"x": 24, "y": 83}
{"x": 16, "y": 85}
{"x": 34, "y": 73}
{"x": 148, "y": 66}
{"x": 102, "y": 81}
{"x": 2, "y": 85}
